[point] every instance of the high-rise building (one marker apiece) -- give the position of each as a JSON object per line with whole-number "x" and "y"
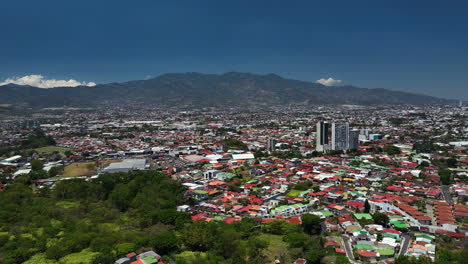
{"x": 271, "y": 144}
{"x": 322, "y": 142}
{"x": 353, "y": 139}
{"x": 340, "y": 136}
{"x": 364, "y": 134}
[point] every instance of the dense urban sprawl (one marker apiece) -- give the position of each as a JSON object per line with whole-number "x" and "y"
{"x": 384, "y": 182}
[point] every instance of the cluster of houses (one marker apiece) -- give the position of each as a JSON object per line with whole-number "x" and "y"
{"x": 263, "y": 165}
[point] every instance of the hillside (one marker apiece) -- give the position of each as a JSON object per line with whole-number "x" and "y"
{"x": 197, "y": 89}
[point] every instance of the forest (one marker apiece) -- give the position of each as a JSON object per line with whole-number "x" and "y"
{"x": 102, "y": 219}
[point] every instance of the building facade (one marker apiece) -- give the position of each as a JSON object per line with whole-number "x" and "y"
{"x": 322, "y": 142}
{"x": 340, "y": 136}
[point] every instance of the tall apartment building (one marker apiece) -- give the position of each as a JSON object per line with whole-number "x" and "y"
{"x": 322, "y": 142}
{"x": 340, "y": 136}
{"x": 271, "y": 144}
{"x": 353, "y": 139}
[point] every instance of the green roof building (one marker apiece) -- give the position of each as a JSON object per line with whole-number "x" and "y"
{"x": 364, "y": 246}
{"x": 363, "y": 216}
{"x": 386, "y": 252}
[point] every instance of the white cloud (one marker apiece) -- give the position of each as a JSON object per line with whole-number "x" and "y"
{"x": 38, "y": 80}
{"x": 328, "y": 82}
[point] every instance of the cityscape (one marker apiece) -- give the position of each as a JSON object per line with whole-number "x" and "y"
{"x": 381, "y": 186}
{"x": 234, "y": 132}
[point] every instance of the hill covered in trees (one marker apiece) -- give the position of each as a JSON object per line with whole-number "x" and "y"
{"x": 197, "y": 89}
{"x": 100, "y": 220}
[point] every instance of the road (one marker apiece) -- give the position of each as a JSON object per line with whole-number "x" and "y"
{"x": 348, "y": 247}
{"x": 446, "y": 194}
{"x": 405, "y": 244}
{"x": 430, "y": 213}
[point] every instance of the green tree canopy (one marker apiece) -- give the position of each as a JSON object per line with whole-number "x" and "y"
{"x": 311, "y": 224}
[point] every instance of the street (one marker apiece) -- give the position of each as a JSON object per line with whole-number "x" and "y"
{"x": 348, "y": 247}
{"x": 430, "y": 213}
{"x": 405, "y": 244}
{"x": 446, "y": 194}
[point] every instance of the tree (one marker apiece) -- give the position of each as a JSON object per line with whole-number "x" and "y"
{"x": 230, "y": 143}
{"x": 397, "y": 121}
{"x": 451, "y": 162}
{"x": 245, "y": 227}
{"x": 121, "y": 197}
{"x": 401, "y": 259}
{"x": 38, "y": 174}
{"x": 227, "y": 242}
{"x": 302, "y": 186}
{"x": 78, "y": 214}
{"x": 166, "y": 243}
{"x": 316, "y": 188}
{"x": 379, "y": 236}
{"x": 37, "y": 165}
{"x": 380, "y": 218}
{"x": 424, "y": 146}
{"x": 54, "y": 171}
{"x": 296, "y": 240}
{"x": 314, "y": 254}
{"x": 342, "y": 260}
{"x": 18, "y": 255}
{"x": 366, "y": 207}
{"x": 255, "y": 249}
{"x": 278, "y": 227}
{"x": 445, "y": 176}
{"x": 36, "y": 140}
{"x": 311, "y": 224}
{"x": 391, "y": 150}
{"x": 198, "y": 236}
{"x": 424, "y": 164}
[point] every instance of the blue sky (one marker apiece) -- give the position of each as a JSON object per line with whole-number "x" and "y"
{"x": 416, "y": 46}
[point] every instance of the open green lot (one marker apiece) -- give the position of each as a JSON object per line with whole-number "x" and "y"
{"x": 50, "y": 149}
{"x": 294, "y": 193}
{"x": 83, "y": 168}
{"x": 79, "y": 169}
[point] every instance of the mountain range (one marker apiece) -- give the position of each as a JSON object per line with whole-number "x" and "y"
{"x": 198, "y": 89}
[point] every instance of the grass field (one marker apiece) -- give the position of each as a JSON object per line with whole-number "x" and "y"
{"x": 276, "y": 248}
{"x": 79, "y": 169}
{"x": 83, "y": 168}
{"x": 50, "y": 149}
{"x": 293, "y": 193}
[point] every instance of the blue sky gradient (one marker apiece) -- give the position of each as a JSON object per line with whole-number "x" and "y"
{"x": 415, "y": 46}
